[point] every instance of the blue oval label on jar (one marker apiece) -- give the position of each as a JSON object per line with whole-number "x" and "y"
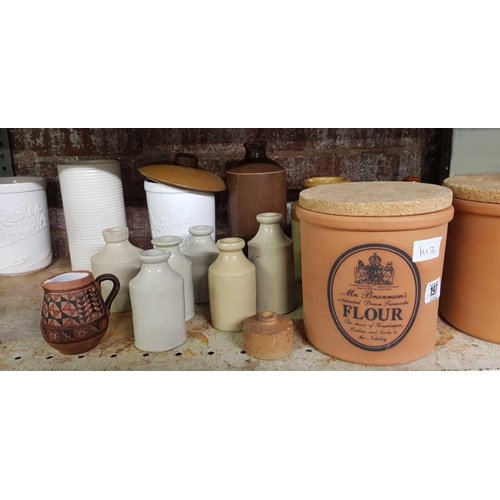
{"x": 374, "y": 295}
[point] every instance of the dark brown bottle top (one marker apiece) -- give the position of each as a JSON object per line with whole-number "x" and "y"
{"x": 255, "y": 161}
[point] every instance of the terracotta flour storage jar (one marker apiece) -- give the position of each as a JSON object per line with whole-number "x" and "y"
{"x": 255, "y": 185}
{"x": 471, "y": 273}
{"x": 372, "y": 257}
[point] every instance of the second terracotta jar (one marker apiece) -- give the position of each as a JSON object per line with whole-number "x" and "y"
{"x": 255, "y": 185}
{"x": 232, "y": 286}
{"x": 271, "y": 251}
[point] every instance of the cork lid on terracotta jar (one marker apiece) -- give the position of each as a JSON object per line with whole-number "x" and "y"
{"x": 377, "y": 198}
{"x": 475, "y": 187}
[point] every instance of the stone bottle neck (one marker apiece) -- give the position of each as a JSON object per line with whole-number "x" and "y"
{"x": 255, "y": 151}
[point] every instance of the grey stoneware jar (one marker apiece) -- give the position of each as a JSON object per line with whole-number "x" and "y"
{"x": 157, "y": 296}
{"x": 271, "y": 251}
{"x": 118, "y": 257}
{"x": 180, "y": 264}
{"x": 202, "y": 252}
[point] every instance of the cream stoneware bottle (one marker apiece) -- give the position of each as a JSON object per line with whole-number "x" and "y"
{"x": 271, "y": 251}
{"x": 157, "y": 296}
{"x": 232, "y": 287}
{"x": 118, "y": 257}
{"x": 180, "y": 264}
{"x": 202, "y": 252}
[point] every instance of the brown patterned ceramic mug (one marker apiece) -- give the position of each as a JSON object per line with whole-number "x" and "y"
{"x": 74, "y": 314}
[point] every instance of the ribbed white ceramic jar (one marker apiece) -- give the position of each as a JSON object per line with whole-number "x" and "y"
{"x": 173, "y": 211}
{"x": 92, "y": 195}
{"x": 24, "y": 225}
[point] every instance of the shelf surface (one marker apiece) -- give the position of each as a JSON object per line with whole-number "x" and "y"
{"x": 22, "y": 346}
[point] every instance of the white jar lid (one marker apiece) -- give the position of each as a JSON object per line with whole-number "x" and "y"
{"x": 21, "y": 184}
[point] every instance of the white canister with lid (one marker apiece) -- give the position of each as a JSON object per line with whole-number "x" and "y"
{"x": 24, "y": 225}
{"x": 180, "y": 195}
{"x": 172, "y": 211}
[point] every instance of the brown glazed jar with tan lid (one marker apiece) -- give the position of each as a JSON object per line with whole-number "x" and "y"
{"x": 471, "y": 272}
{"x": 256, "y": 184}
{"x": 372, "y": 257}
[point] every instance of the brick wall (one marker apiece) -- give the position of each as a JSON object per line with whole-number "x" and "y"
{"x": 359, "y": 154}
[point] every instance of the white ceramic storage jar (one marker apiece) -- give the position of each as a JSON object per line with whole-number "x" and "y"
{"x": 24, "y": 226}
{"x": 172, "y": 211}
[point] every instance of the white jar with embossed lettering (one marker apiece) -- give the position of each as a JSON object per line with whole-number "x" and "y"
{"x": 24, "y": 225}
{"x": 172, "y": 211}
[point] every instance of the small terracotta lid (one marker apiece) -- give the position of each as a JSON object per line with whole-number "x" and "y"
{"x": 321, "y": 181}
{"x": 268, "y": 335}
{"x": 185, "y": 175}
{"x": 475, "y": 187}
{"x": 375, "y": 199}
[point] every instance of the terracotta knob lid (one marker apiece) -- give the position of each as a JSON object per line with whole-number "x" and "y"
{"x": 378, "y": 198}
{"x": 115, "y": 234}
{"x": 475, "y": 187}
{"x": 268, "y": 335}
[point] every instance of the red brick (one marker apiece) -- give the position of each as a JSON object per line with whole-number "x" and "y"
{"x": 141, "y": 239}
{"x": 297, "y": 169}
{"x": 364, "y": 138}
{"x": 137, "y": 217}
{"x": 77, "y": 142}
{"x": 410, "y": 165}
{"x": 59, "y": 243}
{"x": 57, "y": 221}
{"x": 368, "y": 167}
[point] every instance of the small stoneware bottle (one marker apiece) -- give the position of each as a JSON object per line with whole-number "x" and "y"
{"x": 232, "y": 288}
{"x": 118, "y": 257}
{"x": 202, "y": 252}
{"x": 271, "y": 251}
{"x": 157, "y": 296}
{"x": 180, "y": 264}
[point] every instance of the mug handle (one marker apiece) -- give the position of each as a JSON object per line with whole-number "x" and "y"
{"x": 114, "y": 291}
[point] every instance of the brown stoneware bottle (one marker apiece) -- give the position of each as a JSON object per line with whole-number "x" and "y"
{"x": 255, "y": 185}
